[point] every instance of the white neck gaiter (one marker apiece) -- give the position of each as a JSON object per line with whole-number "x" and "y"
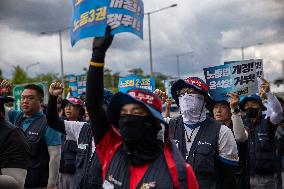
{"x": 192, "y": 108}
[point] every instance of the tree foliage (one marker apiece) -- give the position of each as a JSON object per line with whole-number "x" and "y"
{"x": 19, "y": 75}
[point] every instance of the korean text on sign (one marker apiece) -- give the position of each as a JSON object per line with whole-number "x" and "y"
{"x": 245, "y": 74}
{"x": 77, "y": 84}
{"x": 126, "y": 16}
{"x": 219, "y": 80}
{"x": 130, "y": 82}
{"x": 91, "y": 17}
{"x": 244, "y": 78}
{"x": 257, "y": 62}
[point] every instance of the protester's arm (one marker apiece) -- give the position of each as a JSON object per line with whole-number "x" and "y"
{"x": 241, "y": 135}
{"x": 228, "y": 157}
{"x": 275, "y": 108}
{"x": 95, "y": 87}
{"x": 18, "y": 174}
{"x": 53, "y": 142}
{"x": 54, "y": 162}
{"x": 166, "y": 101}
{"x": 52, "y": 117}
{"x": 238, "y": 126}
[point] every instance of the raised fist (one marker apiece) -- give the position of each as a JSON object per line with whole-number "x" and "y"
{"x": 5, "y": 87}
{"x": 56, "y": 89}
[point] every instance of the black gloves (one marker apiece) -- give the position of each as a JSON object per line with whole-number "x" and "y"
{"x": 100, "y": 46}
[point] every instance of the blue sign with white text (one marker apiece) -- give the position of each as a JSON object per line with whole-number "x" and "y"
{"x": 72, "y": 79}
{"x": 126, "y": 16}
{"x": 130, "y": 82}
{"x": 81, "y": 84}
{"x": 219, "y": 80}
{"x": 91, "y": 17}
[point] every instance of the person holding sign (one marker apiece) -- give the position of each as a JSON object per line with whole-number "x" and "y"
{"x": 131, "y": 136}
{"x": 261, "y": 133}
{"x": 208, "y": 146}
{"x": 227, "y": 112}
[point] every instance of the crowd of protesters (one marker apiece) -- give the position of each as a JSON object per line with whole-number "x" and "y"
{"x": 120, "y": 141}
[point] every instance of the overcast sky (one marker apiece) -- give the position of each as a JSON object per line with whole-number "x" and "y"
{"x": 203, "y": 27}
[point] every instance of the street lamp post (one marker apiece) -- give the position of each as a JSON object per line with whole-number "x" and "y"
{"x": 149, "y": 32}
{"x": 243, "y": 48}
{"x": 30, "y": 65}
{"x": 178, "y": 63}
{"x": 60, "y": 50}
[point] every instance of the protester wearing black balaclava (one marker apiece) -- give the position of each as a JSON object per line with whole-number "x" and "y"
{"x": 260, "y": 130}
{"x": 131, "y": 137}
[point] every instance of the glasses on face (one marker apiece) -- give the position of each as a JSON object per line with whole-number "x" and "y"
{"x": 184, "y": 91}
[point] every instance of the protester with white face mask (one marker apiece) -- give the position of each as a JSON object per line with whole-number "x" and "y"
{"x": 204, "y": 143}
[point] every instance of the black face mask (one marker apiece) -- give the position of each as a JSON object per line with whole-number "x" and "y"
{"x": 134, "y": 128}
{"x": 140, "y": 137}
{"x": 252, "y": 112}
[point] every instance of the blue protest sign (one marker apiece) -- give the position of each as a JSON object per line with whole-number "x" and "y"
{"x": 130, "y": 82}
{"x": 81, "y": 84}
{"x": 91, "y": 17}
{"x": 126, "y": 16}
{"x": 72, "y": 79}
{"x": 219, "y": 80}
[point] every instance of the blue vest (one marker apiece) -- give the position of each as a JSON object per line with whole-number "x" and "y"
{"x": 88, "y": 168}
{"x": 262, "y": 159}
{"x": 204, "y": 153}
{"x": 38, "y": 165}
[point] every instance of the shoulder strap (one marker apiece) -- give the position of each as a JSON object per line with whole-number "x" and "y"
{"x": 176, "y": 165}
{"x": 20, "y": 120}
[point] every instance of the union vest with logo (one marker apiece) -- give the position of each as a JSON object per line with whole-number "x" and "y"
{"x": 88, "y": 167}
{"x": 38, "y": 165}
{"x": 156, "y": 176}
{"x": 261, "y": 147}
{"x": 204, "y": 153}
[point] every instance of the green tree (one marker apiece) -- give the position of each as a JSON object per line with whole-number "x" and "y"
{"x": 1, "y": 77}
{"x": 111, "y": 80}
{"x": 19, "y": 76}
{"x": 136, "y": 71}
{"x": 115, "y": 77}
{"x": 48, "y": 77}
{"x": 159, "y": 78}
{"x": 108, "y": 79}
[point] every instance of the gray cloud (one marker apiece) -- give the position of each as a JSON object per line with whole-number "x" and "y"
{"x": 203, "y": 27}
